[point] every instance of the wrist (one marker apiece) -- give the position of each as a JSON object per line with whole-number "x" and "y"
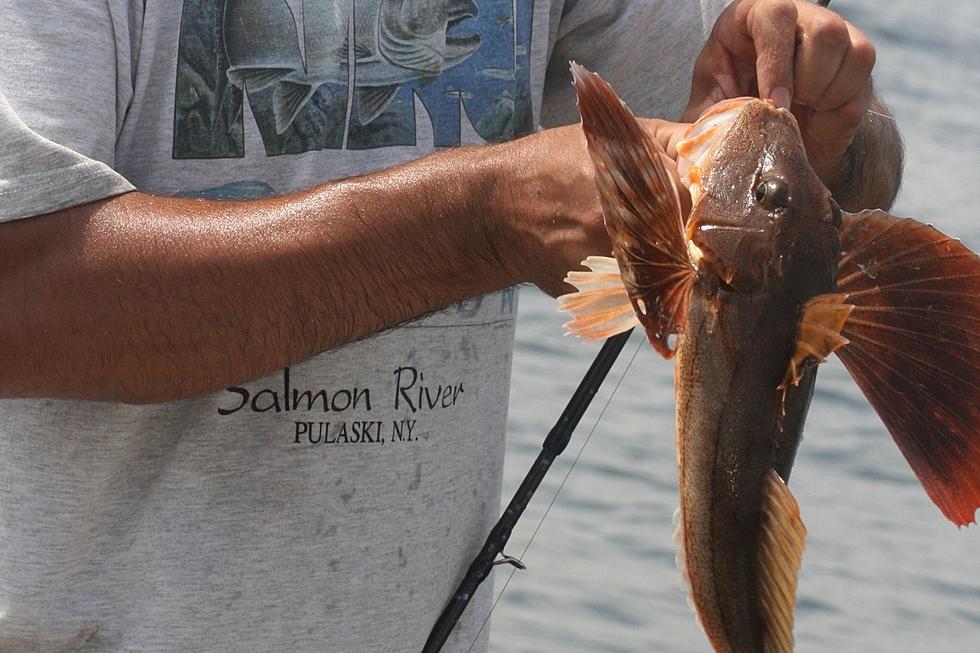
{"x": 439, "y": 224}
{"x": 506, "y": 180}
{"x": 544, "y": 215}
{"x": 869, "y": 172}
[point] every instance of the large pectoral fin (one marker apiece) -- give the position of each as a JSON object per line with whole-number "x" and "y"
{"x": 915, "y": 347}
{"x": 642, "y": 210}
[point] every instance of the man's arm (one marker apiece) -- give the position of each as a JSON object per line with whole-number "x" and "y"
{"x": 808, "y": 58}
{"x": 142, "y": 299}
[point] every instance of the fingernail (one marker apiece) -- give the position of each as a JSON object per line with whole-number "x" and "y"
{"x": 780, "y": 95}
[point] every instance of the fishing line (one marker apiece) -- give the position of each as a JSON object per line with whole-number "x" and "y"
{"x": 554, "y": 498}
{"x": 883, "y": 115}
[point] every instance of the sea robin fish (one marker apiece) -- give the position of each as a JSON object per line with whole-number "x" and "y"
{"x": 763, "y": 280}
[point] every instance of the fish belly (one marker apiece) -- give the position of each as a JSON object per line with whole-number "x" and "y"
{"x": 729, "y": 434}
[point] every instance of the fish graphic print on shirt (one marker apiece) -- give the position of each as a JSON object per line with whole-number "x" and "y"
{"x": 291, "y": 61}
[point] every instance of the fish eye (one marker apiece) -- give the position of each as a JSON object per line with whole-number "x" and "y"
{"x": 773, "y": 194}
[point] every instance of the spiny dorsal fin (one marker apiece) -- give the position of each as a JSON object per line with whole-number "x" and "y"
{"x": 780, "y": 554}
{"x": 818, "y": 335}
{"x": 915, "y": 348}
{"x": 642, "y": 209}
{"x": 601, "y": 308}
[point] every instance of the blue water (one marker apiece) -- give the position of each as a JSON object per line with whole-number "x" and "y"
{"x": 883, "y": 570}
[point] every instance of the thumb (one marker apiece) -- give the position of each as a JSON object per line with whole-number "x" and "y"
{"x": 666, "y": 133}
{"x": 772, "y": 28}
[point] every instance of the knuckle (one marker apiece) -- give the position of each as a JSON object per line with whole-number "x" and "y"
{"x": 850, "y": 114}
{"x": 783, "y": 12}
{"x": 863, "y": 52}
{"x": 769, "y": 14}
{"x": 829, "y": 31}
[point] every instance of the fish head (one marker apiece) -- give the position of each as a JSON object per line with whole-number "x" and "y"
{"x": 761, "y": 218}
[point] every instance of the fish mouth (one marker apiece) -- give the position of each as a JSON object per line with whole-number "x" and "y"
{"x": 460, "y": 47}
{"x": 737, "y": 257}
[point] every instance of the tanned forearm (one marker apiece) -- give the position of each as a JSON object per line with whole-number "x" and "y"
{"x": 144, "y": 299}
{"x": 870, "y": 172}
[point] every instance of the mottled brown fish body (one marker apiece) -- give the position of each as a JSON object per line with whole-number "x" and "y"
{"x": 758, "y": 269}
{"x": 760, "y": 283}
{"x": 729, "y": 363}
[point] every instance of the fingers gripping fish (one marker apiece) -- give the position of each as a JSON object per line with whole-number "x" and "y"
{"x": 761, "y": 282}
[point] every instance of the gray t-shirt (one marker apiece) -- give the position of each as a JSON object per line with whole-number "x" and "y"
{"x": 333, "y": 505}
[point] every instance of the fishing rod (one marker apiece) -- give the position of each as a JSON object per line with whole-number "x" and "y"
{"x": 553, "y": 446}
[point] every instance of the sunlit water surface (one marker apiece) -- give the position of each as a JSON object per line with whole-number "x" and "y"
{"x": 883, "y": 570}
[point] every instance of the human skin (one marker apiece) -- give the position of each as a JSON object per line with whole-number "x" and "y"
{"x": 808, "y": 58}
{"x": 144, "y": 299}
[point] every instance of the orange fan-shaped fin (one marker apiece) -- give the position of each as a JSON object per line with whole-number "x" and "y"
{"x": 915, "y": 348}
{"x": 600, "y": 308}
{"x": 818, "y": 334}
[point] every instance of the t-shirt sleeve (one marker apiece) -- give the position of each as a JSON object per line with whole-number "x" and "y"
{"x": 646, "y": 50}
{"x": 63, "y": 94}
{"x": 39, "y": 176}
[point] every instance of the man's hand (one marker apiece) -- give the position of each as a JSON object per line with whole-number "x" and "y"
{"x": 551, "y": 220}
{"x": 806, "y": 57}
